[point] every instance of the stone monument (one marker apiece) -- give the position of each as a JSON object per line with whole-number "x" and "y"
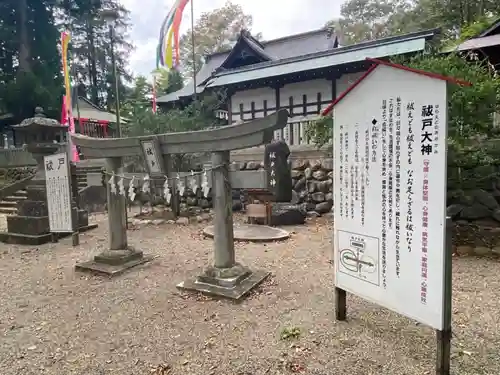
{"x": 276, "y": 164}
{"x": 225, "y": 277}
{"x": 283, "y": 210}
{"x": 31, "y": 224}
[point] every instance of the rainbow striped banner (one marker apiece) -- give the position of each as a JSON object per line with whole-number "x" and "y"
{"x": 169, "y": 36}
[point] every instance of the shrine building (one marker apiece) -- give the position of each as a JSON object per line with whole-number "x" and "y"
{"x": 301, "y": 73}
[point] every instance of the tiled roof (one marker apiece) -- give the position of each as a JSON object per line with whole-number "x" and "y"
{"x": 493, "y": 29}
{"x": 87, "y": 109}
{"x": 276, "y": 49}
{"x": 290, "y": 49}
{"x": 477, "y": 43}
{"x": 386, "y": 47}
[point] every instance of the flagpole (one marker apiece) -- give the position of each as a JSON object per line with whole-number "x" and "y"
{"x": 65, "y": 37}
{"x": 154, "y": 93}
{"x": 193, "y": 51}
{"x": 75, "y": 77}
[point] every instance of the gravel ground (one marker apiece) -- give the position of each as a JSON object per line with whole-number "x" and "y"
{"x": 56, "y": 321}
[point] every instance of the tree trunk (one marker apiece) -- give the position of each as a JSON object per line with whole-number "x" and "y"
{"x": 24, "y": 44}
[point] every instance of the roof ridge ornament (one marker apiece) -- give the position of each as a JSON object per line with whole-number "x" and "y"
{"x": 39, "y": 112}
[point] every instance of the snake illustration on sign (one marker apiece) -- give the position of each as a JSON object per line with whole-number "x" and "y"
{"x": 359, "y": 256}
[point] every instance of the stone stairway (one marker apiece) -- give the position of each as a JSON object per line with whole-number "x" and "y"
{"x": 81, "y": 174}
{"x": 9, "y": 204}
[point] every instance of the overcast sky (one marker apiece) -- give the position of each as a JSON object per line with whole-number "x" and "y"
{"x": 274, "y": 18}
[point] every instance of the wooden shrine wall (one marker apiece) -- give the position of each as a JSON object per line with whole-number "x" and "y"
{"x": 303, "y": 100}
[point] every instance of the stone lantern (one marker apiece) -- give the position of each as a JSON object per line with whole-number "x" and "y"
{"x": 43, "y": 137}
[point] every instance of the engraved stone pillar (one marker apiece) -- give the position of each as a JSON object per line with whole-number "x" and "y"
{"x": 120, "y": 256}
{"x": 223, "y": 209}
{"x": 116, "y": 210}
{"x": 226, "y": 278}
{"x": 276, "y": 164}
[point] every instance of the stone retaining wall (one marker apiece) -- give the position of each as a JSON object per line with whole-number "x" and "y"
{"x": 16, "y": 174}
{"x": 312, "y": 182}
{"x": 312, "y": 174}
{"x": 474, "y": 195}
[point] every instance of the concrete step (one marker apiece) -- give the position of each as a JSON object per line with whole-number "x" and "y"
{"x": 91, "y": 163}
{"x": 5, "y": 203}
{"x": 15, "y": 198}
{"x": 80, "y": 169}
{"x": 9, "y": 204}
{"x": 84, "y": 173}
{"x": 8, "y": 210}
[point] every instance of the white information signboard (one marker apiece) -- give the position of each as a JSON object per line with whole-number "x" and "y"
{"x": 390, "y": 192}
{"x": 58, "y": 192}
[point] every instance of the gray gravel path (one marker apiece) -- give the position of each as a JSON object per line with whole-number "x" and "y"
{"x": 56, "y": 321}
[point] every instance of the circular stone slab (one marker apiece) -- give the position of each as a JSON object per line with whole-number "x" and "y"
{"x": 253, "y": 233}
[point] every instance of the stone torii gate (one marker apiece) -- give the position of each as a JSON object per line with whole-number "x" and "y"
{"x": 226, "y": 277}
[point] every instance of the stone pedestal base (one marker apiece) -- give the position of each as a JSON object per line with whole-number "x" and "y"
{"x": 114, "y": 262}
{"x": 25, "y": 229}
{"x": 37, "y": 239}
{"x": 233, "y": 283}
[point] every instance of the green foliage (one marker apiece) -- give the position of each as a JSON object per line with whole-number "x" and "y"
{"x": 30, "y": 73}
{"x": 320, "y": 131}
{"x": 362, "y": 20}
{"x": 175, "y": 82}
{"x": 470, "y": 31}
{"x": 92, "y": 46}
{"x": 196, "y": 116}
{"x": 214, "y": 31}
{"x": 290, "y": 333}
{"x": 475, "y": 28}
{"x": 136, "y": 100}
{"x": 30, "y": 64}
{"x": 470, "y": 108}
{"x": 168, "y": 81}
{"x": 27, "y": 91}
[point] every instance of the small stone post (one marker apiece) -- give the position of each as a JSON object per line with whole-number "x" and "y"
{"x": 116, "y": 210}
{"x": 222, "y": 203}
{"x": 120, "y": 256}
{"x": 175, "y": 200}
